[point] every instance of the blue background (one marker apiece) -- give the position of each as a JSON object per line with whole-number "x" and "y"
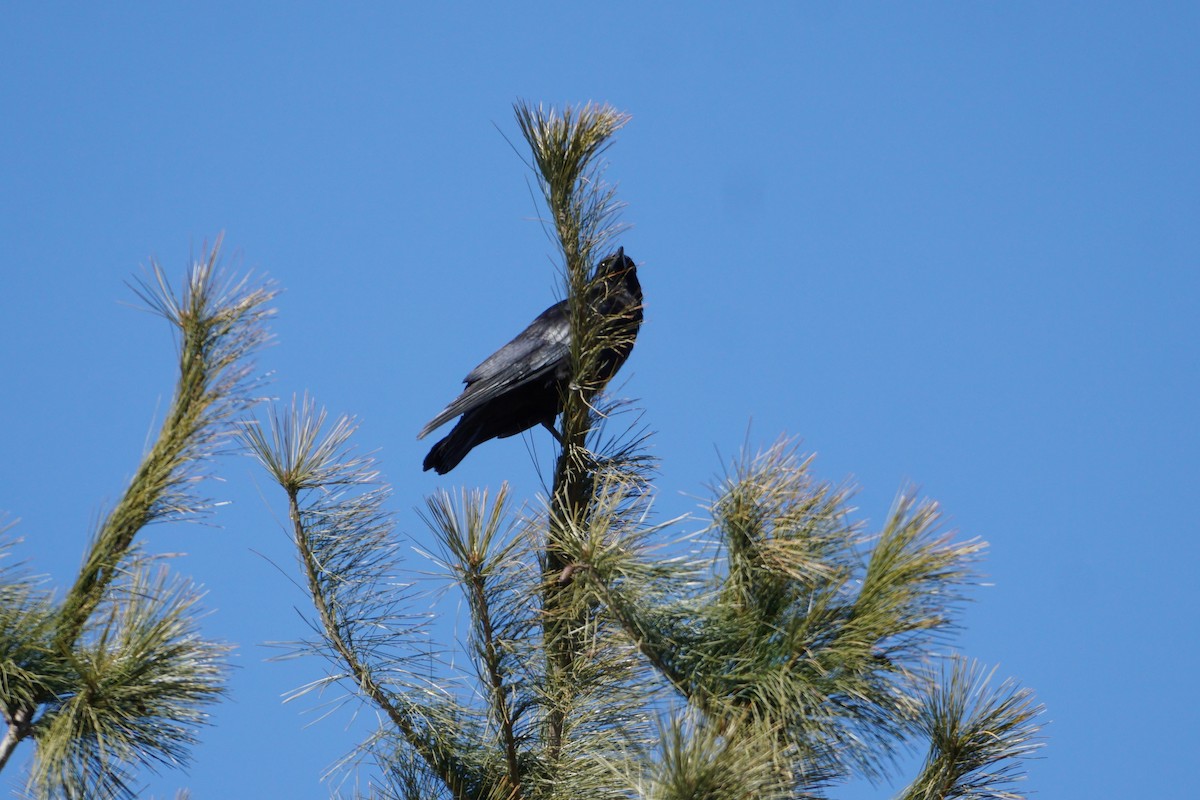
{"x": 948, "y": 244}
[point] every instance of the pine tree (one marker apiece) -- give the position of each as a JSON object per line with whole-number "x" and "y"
{"x": 782, "y": 652}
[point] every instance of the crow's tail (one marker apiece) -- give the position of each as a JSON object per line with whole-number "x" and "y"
{"x": 446, "y": 454}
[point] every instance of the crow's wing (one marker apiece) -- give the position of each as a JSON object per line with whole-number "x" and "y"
{"x": 538, "y": 351}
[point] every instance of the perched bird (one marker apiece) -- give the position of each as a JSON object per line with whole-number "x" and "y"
{"x": 522, "y": 383}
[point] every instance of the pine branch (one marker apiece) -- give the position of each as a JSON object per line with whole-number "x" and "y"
{"x": 565, "y": 149}
{"x": 913, "y": 580}
{"x": 344, "y": 541}
{"x": 789, "y": 633}
{"x": 697, "y": 760}
{"x": 618, "y": 562}
{"x": 482, "y": 563}
{"x": 142, "y": 674}
{"x": 978, "y": 737}
{"x": 220, "y": 326}
{"x": 28, "y": 672}
{"x": 52, "y": 659}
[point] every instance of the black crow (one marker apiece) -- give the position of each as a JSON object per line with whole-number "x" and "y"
{"x": 522, "y": 383}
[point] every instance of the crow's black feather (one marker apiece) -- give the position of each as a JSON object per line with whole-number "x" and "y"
{"x": 521, "y": 384}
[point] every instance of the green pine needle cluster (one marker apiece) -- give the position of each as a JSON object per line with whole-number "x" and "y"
{"x": 978, "y": 733}
{"x": 134, "y": 693}
{"x": 566, "y": 146}
{"x": 115, "y": 677}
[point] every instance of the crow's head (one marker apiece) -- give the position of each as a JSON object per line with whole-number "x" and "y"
{"x": 616, "y": 286}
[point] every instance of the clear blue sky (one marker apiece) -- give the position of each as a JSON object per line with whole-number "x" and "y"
{"x": 951, "y": 244}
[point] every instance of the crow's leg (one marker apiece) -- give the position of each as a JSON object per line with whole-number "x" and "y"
{"x": 549, "y": 425}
